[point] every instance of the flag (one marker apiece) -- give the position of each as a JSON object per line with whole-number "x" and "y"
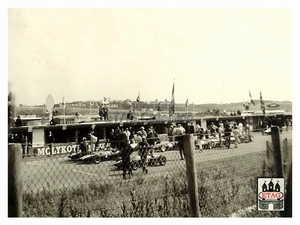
{"x": 261, "y": 100}
{"x": 138, "y": 98}
{"x": 172, "y": 104}
{"x": 105, "y": 100}
{"x": 251, "y": 100}
{"x": 262, "y": 104}
{"x": 187, "y": 102}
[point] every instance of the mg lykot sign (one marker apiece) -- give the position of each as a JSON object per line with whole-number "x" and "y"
{"x": 55, "y": 149}
{"x": 270, "y": 194}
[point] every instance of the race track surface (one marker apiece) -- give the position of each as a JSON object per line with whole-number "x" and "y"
{"x": 56, "y": 172}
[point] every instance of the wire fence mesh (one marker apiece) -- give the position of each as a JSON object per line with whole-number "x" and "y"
{"x": 73, "y": 185}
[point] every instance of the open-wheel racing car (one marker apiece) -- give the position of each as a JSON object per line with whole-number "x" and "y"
{"x": 135, "y": 161}
{"x": 162, "y": 143}
{"x": 164, "y": 146}
{"x": 95, "y": 157}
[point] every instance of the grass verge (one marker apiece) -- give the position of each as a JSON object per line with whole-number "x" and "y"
{"x": 225, "y": 186}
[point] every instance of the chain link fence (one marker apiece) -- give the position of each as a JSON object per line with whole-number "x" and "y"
{"x": 93, "y": 185}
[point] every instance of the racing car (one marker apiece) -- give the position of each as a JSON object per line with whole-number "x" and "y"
{"x": 268, "y": 131}
{"x": 211, "y": 142}
{"x": 95, "y": 157}
{"x": 135, "y": 160}
{"x": 164, "y": 146}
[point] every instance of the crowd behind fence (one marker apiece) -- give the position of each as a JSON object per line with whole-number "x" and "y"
{"x": 93, "y": 185}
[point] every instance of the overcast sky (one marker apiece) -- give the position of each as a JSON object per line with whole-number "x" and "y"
{"x": 213, "y": 55}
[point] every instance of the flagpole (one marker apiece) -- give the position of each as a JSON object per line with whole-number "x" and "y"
{"x": 187, "y": 107}
{"x": 90, "y": 110}
{"x": 172, "y": 103}
{"x": 138, "y": 100}
{"x": 193, "y": 108}
{"x": 140, "y": 103}
{"x": 64, "y": 105}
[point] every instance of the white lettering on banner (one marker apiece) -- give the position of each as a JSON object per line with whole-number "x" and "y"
{"x": 41, "y": 151}
{"x": 57, "y": 149}
{"x": 53, "y": 152}
{"x": 47, "y": 151}
{"x": 63, "y": 149}
{"x": 69, "y": 149}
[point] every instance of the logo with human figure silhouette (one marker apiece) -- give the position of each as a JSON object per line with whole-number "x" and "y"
{"x": 270, "y": 194}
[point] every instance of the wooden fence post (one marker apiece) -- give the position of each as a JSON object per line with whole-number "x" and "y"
{"x": 14, "y": 180}
{"x": 279, "y": 170}
{"x": 189, "y": 150}
{"x": 277, "y": 151}
{"x": 288, "y": 203}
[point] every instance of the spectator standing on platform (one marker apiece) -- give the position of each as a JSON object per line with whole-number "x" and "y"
{"x": 18, "y": 122}
{"x": 101, "y": 113}
{"x": 130, "y": 115}
{"x": 105, "y": 112}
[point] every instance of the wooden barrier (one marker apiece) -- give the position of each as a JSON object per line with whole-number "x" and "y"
{"x": 189, "y": 151}
{"x": 14, "y": 180}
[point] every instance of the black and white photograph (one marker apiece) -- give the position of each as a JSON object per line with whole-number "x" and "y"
{"x": 156, "y": 111}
